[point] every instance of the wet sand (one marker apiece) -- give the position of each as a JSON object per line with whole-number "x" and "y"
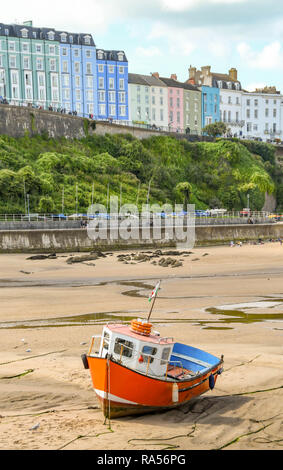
{"x": 46, "y": 397}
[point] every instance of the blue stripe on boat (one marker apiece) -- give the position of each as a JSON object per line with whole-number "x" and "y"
{"x": 191, "y": 358}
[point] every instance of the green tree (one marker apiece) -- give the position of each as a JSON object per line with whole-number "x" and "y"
{"x": 185, "y": 190}
{"x": 216, "y": 129}
{"x": 46, "y": 205}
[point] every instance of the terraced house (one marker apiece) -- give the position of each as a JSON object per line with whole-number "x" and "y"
{"x": 29, "y": 65}
{"x": 112, "y": 85}
{"x": 45, "y": 67}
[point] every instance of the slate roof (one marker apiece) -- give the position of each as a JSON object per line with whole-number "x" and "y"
{"x": 15, "y": 31}
{"x": 111, "y": 55}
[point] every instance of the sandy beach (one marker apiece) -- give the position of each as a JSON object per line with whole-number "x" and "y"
{"x": 224, "y": 300}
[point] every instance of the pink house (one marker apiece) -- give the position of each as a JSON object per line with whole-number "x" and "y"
{"x": 175, "y": 103}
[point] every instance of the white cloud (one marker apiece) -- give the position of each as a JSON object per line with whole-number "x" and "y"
{"x": 179, "y": 40}
{"x": 270, "y": 57}
{"x": 151, "y": 51}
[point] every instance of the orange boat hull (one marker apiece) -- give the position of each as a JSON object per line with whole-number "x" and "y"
{"x": 122, "y": 391}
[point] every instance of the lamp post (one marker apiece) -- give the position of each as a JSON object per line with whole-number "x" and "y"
{"x": 248, "y": 202}
{"x": 28, "y": 206}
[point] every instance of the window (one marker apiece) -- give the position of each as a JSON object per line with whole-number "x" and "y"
{"x": 237, "y": 100}
{"x": 178, "y": 103}
{"x": 120, "y": 56}
{"x": 153, "y": 100}
{"x": 1, "y": 61}
{"x": 65, "y": 66}
{"x": 248, "y": 113}
{"x": 147, "y": 352}
{"x": 229, "y": 100}
{"x": 52, "y": 64}
{"x": 71, "y": 39}
{"x": 100, "y": 82}
{"x": 66, "y": 93}
{"x": 248, "y": 102}
{"x": 12, "y": 46}
{"x": 38, "y": 48}
{"x": 274, "y": 113}
{"x": 78, "y": 107}
{"x": 87, "y": 39}
{"x": 51, "y": 35}
{"x": 106, "y": 338}
{"x": 89, "y": 95}
{"x": 123, "y": 347}
{"x": 266, "y": 112}
{"x": 121, "y": 84}
{"x": 153, "y": 114}
{"x": 171, "y": 102}
{"x": 52, "y": 50}
{"x": 112, "y": 96}
{"x": 89, "y": 82}
{"x": 165, "y": 356}
{"x": 66, "y": 80}
{"x": 122, "y": 110}
{"x": 90, "y": 108}
{"x": 249, "y": 126}
{"x": 121, "y": 69}
{"x": 100, "y": 55}
{"x": 122, "y": 97}
{"x": 111, "y": 83}
{"x": 111, "y": 68}
{"x": 64, "y": 51}
{"x": 63, "y": 37}
{"x": 256, "y": 103}
{"x": 77, "y": 67}
{"x": 77, "y": 81}
{"x": 25, "y": 47}
{"x": 112, "y": 110}
{"x": 89, "y": 68}
{"x": 100, "y": 68}
{"x": 256, "y": 114}
{"x": 102, "y": 109}
{"x": 26, "y": 63}
{"x": 138, "y": 98}
{"x": 178, "y": 117}
{"x": 41, "y": 80}
{"x": 161, "y": 115}
{"x": 12, "y": 61}
{"x": 101, "y": 95}
{"x": 76, "y": 52}
{"x": 78, "y": 95}
{"x": 88, "y": 54}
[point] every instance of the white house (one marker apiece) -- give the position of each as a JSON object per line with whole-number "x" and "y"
{"x": 231, "y": 110}
{"x": 262, "y": 113}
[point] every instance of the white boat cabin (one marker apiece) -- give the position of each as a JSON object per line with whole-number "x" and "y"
{"x": 146, "y": 354}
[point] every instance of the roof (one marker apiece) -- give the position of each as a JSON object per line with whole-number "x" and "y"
{"x": 170, "y": 82}
{"x": 111, "y": 55}
{"x": 147, "y": 80}
{"x": 223, "y": 76}
{"x": 125, "y": 330}
{"x": 15, "y": 30}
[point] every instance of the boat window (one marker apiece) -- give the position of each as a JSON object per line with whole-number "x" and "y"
{"x": 123, "y": 347}
{"x": 148, "y": 351}
{"x": 106, "y": 341}
{"x": 165, "y": 356}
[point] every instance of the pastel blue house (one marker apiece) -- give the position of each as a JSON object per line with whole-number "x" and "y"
{"x": 210, "y": 105}
{"x": 78, "y": 73}
{"x": 112, "y": 85}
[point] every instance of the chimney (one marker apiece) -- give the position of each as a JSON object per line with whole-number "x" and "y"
{"x": 233, "y": 74}
{"x": 206, "y": 69}
{"x": 155, "y": 74}
{"x": 174, "y": 76}
{"x": 192, "y": 72}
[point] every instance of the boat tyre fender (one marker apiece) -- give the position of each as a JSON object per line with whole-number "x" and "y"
{"x": 85, "y": 361}
{"x": 211, "y": 382}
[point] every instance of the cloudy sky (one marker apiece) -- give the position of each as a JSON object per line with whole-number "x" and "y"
{"x": 167, "y": 36}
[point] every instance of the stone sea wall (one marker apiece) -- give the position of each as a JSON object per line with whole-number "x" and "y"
{"x": 77, "y": 240}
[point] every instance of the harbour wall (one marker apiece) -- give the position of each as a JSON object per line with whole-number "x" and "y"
{"x": 77, "y": 240}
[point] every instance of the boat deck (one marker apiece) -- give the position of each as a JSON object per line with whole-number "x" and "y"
{"x": 179, "y": 373}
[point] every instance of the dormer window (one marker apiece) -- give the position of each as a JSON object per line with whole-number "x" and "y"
{"x": 51, "y": 35}
{"x": 24, "y": 33}
{"x": 237, "y": 86}
{"x": 63, "y": 37}
{"x": 71, "y": 39}
{"x": 100, "y": 55}
{"x": 87, "y": 39}
{"x": 120, "y": 56}
{"x": 229, "y": 84}
{"x": 220, "y": 84}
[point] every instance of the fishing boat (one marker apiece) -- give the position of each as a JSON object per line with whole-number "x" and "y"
{"x": 136, "y": 371}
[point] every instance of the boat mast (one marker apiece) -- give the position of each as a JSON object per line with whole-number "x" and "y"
{"x": 154, "y": 296}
